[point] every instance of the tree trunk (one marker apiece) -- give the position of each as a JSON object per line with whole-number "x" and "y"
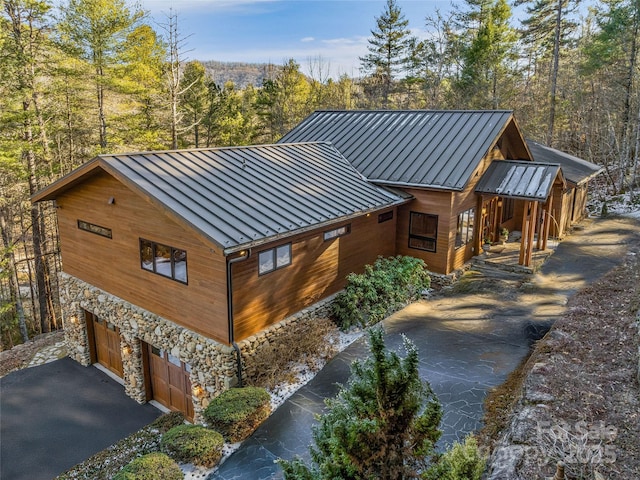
{"x": 14, "y": 286}
{"x": 554, "y": 75}
{"x": 101, "y": 115}
{"x": 627, "y": 137}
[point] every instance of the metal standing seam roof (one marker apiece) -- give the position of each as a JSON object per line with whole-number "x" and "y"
{"x": 518, "y": 179}
{"x": 423, "y": 148}
{"x": 240, "y": 196}
{"x": 574, "y": 169}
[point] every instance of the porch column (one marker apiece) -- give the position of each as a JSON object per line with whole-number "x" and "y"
{"x": 528, "y": 230}
{"x": 525, "y": 232}
{"x": 532, "y": 229}
{"x": 547, "y": 222}
{"x": 477, "y": 227}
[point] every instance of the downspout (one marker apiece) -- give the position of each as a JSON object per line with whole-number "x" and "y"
{"x": 243, "y": 256}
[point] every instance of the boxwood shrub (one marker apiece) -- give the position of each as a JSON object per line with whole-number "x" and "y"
{"x": 151, "y": 466}
{"x": 193, "y": 444}
{"x": 384, "y": 287}
{"x": 237, "y": 412}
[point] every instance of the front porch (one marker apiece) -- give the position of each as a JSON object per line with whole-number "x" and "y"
{"x": 507, "y": 256}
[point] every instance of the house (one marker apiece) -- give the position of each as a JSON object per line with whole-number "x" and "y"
{"x": 178, "y": 263}
{"x": 447, "y": 161}
{"x": 170, "y": 258}
{"x": 571, "y": 207}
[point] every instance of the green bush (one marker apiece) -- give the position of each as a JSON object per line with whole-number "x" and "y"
{"x": 193, "y": 444}
{"x": 105, "y": 464}
{"x": 382, "y": 424}
{"x": 167, "y": 421}
{"x": 384, "y": 287}
{"x": 462, "y": 461}
{"x": 151, "y": 467}
{"x": 237, "y": 412}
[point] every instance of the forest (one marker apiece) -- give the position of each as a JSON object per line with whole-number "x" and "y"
{"x": 80, "y": 78}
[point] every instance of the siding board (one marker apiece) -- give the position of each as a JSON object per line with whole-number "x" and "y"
{"x": 114, "y": 264}
{"x": 319, "y": 269}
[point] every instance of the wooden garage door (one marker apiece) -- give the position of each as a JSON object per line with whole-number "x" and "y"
{"x": 106, "y": 337}
{"x": 170, "y": 383}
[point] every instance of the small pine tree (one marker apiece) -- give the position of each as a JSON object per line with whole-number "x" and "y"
{"x": 384, "y": 424}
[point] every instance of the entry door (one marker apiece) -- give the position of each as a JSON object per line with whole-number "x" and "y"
{"x": 106, "y": 338}
{"x": 170, "y": 383}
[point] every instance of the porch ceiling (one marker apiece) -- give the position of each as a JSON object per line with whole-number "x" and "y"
{"x": 519, "y": 179}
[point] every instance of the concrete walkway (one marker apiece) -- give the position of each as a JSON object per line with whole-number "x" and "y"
{"x": 470, "y": 338}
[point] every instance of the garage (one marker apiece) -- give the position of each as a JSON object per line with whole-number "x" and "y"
{"x": 170, "y": 382}
{"x": 104, "y": 342}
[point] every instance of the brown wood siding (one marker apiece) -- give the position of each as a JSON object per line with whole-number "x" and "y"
{"x": 318, "y": 269}
{"x": 431, "y": 202}
{"x": 114, "y": 264}
{"x": 447, "y": 205}
{"x": 579, "y": 208}
{"x": 464, "y": 201}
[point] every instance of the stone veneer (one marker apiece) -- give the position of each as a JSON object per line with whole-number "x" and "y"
{"x": 213, "y": 365}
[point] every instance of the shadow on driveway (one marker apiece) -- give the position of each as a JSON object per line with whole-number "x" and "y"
{"x": 468, "y": 342}
{"x": 54, "y": 416}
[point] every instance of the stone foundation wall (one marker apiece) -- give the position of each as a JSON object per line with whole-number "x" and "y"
{"x": 213, "y": 365}
{"x": 442, "y": 280}
{"x": 285, "y": 330}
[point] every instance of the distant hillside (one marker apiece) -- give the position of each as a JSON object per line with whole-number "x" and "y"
{"x": 241, "y": 74}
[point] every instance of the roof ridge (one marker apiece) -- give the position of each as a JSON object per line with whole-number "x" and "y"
{"x": 210, "y": 149}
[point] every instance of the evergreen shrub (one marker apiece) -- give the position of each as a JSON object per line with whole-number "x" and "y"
{"x": 383, "y": 424}
{"x": 237, "y": 412}
{"x": 193, "y": 444}
{"x": 151, "y": 467}
{"x": 462, "y": 461}
{"x": 384, "y": 287}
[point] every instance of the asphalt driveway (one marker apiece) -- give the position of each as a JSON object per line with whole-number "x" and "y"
{"x": 56, "y": 415}
{"x": 469, "y": 339}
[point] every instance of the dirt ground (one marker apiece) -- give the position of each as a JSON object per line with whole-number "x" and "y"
{"x": 577, "y": 398}
{"x": 20, "y": 356}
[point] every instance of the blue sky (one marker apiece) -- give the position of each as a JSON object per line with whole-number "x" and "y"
{"x": 276, "y": 30}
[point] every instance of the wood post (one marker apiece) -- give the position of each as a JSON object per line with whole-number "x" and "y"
{"x": 525, "y": 231}
{"x": 532, "y": 229}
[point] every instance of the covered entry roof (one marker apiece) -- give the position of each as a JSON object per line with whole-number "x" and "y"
{"x": 519, "y": 179}
{"x": 242, "y": 196}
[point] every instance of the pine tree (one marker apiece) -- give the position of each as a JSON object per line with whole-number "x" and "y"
{"x": 546, "y": 31}
{"x": 193, "y": 102}
{"x": 487, "y": 57}
{"x": 23, "y": 53}
{"x": 383, "y": 424}
{"x": 95, "y": 31}
{"x": 389, "y": 49}
{"x": 613, "y": 54}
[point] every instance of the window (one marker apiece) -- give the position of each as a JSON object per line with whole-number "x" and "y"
{"x": 423, "y": 231}
{"x": 386, "y": 216}
{"x": 507, "y": 209}
{"x": 167, "y": 261}
{"x": 337, "y": 232}
{"x": 97, "y": 229}
{"x": 274, "y": 258}
{"x": 464, "y": 230}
